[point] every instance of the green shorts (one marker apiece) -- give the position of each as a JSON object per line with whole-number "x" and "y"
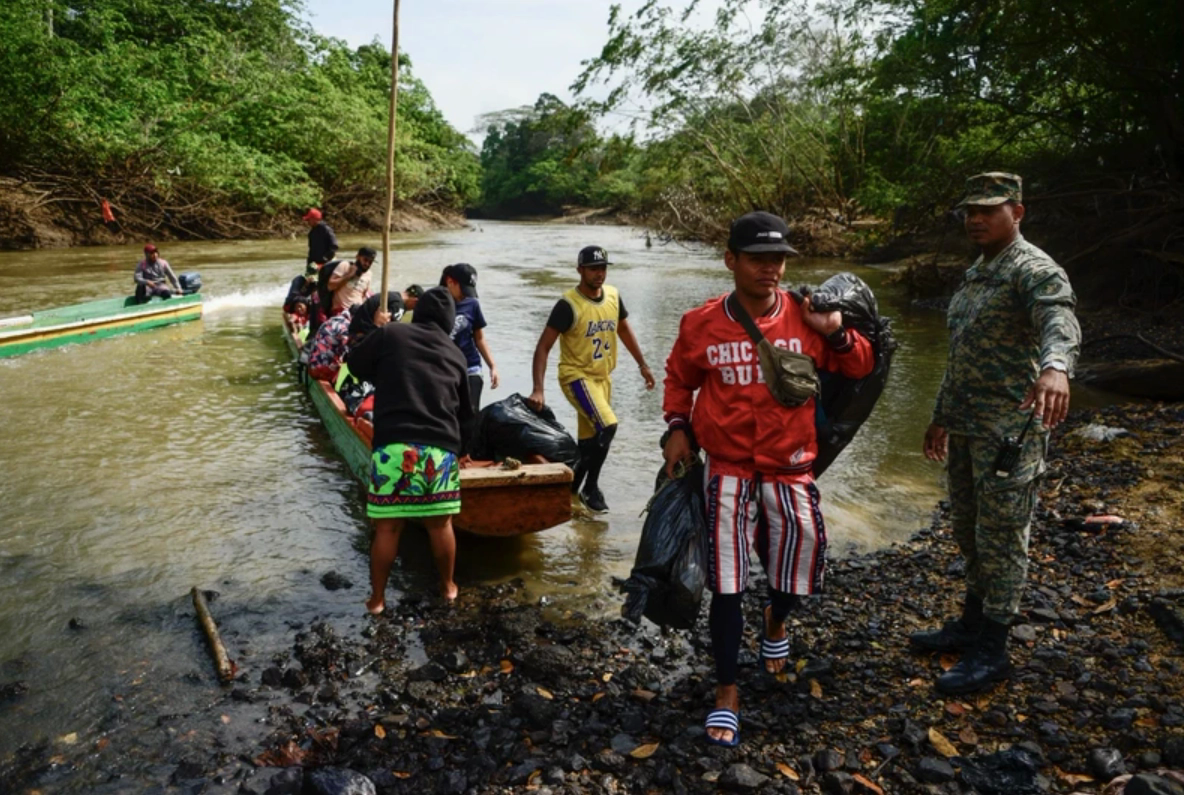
{"x": 413, "y": 480}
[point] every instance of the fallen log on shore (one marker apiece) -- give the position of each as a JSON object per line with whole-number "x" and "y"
{"x": 226, "y": 667}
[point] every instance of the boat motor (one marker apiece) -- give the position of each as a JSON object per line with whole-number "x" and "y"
{"x": 190, "y": 282}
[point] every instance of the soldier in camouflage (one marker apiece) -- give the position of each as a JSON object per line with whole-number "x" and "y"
{"x": 1013, "y": 343}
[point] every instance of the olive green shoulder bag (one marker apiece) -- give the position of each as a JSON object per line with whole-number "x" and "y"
{"x": 790, "y": 377}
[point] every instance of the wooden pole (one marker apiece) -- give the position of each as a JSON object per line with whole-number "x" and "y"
{"x": 390, "y": 164}
{"x": 226, "y": 668}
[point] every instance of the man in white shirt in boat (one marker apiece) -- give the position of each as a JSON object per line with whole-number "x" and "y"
{"x": 154, "y": 276}
{"x": 349, "y": 283}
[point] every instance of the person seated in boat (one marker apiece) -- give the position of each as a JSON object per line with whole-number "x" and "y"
{"x": 358, "y": 396}
{"x": 421, "y": 399}
{"x": 349, "y": 282}
{"x": 340, "y": 284}
{"x": 327, "y": 347}
{"x": 337, "y": 335}
{"x": 410, "y": 299}
{"x": 361, "y": 323}
{"x": 300, "y": 293}
{"x": 154, "y": 276}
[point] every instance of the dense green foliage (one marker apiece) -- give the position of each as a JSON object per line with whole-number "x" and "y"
{"x": 210, "y": 115}
{"x": 227, "y": 104}
{"x": 1064, "y": 92}
{"x": 537, "y": 159}
{"x": 832, "y": 112}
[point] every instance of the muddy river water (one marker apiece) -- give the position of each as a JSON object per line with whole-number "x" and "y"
{"x": 135, "y": 468}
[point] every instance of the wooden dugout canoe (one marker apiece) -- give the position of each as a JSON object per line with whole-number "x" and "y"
{"x": 494, "y": 501}
{"x": 92, "y": 321}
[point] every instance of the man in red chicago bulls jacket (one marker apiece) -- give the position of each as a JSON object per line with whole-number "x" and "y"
{"x": 759, "y": 453}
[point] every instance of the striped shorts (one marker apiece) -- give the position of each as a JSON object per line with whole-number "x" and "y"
{"x": 591, "y": 398}
{"x": 777, "y": 515}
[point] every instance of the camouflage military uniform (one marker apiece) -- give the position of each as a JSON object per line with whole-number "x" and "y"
{"x": 1011, "y": 318}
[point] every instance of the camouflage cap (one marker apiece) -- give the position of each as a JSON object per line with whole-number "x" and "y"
{"x": 993, "y": 187}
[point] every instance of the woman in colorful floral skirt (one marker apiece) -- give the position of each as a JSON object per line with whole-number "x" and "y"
{"x": 421, "y": 398}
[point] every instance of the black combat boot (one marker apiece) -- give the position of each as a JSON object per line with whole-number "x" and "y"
{"x": 985, "y": 664}
{"x": 955, "y": 635}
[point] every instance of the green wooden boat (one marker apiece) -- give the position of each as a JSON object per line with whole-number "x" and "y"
{"x": 92, "y": 321}
{"x": 494, "y": 501}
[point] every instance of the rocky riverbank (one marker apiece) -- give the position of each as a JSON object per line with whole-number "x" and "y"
{"x": 500, "y": 693}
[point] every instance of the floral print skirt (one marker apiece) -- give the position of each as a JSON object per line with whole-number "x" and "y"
{"x": 413, "y": 480}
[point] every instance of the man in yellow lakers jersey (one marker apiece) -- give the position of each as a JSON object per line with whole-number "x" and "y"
{"x": 588, "y": 320}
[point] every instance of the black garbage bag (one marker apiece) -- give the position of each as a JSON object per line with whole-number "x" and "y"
{"x": 1011, "y": 772}
{"x": 845, "y": 403}
{"x": 670, "y": 570}
{"x": 512, "y": 429}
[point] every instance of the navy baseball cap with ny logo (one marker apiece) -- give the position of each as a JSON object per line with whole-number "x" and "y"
{"x": 592, "y": 257}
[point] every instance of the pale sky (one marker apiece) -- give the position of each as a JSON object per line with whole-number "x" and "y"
{"x": 477, "y": 56}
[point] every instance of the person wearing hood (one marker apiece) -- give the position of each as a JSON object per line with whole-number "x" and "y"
{"x": 421, "y": 399}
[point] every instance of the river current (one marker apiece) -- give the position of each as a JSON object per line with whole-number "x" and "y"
{"x": 135, "y": 468}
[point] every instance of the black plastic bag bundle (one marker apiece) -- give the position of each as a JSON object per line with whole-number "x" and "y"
{"x": 846, "y": 403}
{"x": 1011, "y": 772}
{"x": 670, "y": 570}
{"x": 512, "y": 429}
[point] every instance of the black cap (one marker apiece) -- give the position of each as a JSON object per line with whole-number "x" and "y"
{"x": 759, "y": 232}
{"x": 463, "y": 274}
{"x": 592, "y": 257}
{"x": 369, "y": 253}
{"x": 415, "y": 290}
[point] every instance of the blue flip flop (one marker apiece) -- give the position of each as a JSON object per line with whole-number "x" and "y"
{"x": 773, "y": 649}
{"x": 723, "y": 718}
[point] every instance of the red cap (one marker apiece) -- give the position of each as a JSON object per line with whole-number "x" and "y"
{"x": 150, "y": 249}
{"x": 312, "y": 215}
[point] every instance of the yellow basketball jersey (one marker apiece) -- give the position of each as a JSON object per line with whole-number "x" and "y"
{"x": 589, "y": 348}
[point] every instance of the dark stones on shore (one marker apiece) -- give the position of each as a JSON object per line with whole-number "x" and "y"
{"x": 931, "y": 770}
{"x": 1169, "y": 619}
{"x": 1173, "y": 751}
{"x": 294, "y": 679}
{"x": 1147, "y": 784}
{"x": 495, "y": 695}
{"x": 1106, "y": 763}
{"x": 11, "y": 691}
{"x": 285, "y": 781}
{"x": 549, "y": 664}
{"x": 336, "y": 781}
{"x": 334, "y": 581}
{"x": 742, "y": 778}
{"x": 431, "y": 671}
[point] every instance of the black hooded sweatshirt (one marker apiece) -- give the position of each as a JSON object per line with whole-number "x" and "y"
{"x": 421, "y": 386}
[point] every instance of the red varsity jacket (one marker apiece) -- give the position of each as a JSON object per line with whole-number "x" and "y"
{"x": 735, "y": 418}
